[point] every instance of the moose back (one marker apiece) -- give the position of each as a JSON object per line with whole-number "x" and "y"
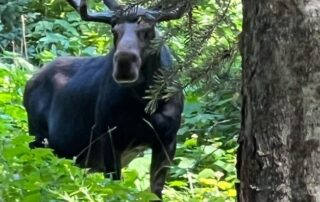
{"x": 93, "y": 107}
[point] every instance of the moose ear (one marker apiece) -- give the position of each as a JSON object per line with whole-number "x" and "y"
{"x": 113, "y": 23}
{"x": 166, "y": 57}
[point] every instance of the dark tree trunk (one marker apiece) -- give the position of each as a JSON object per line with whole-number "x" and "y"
{"x": 279, "y": 153}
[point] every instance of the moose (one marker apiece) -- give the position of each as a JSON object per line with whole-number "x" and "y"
{"x": 93, "y": 107}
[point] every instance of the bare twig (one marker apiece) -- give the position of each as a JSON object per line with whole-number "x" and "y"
{"x": 113, "y": 151}
{"x": 24, "y": 36}
{"x": 92, "y": 142}
{"x": 190, "y": 182}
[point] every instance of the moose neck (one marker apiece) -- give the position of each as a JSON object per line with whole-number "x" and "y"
{"x": 151, "y": 64}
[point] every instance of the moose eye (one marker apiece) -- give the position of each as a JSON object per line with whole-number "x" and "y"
{"x": 116, "y": 35}
{"x": 114, "y": 32}
{"x": 146, "y": 34}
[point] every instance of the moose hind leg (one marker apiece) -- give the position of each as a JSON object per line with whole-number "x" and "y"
{"x": 39, "y": 130}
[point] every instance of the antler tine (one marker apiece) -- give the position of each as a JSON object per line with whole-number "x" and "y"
{"x": 175, "y": 13}
{"x": 82, "y": 8}
{"x": 112, "y": 4}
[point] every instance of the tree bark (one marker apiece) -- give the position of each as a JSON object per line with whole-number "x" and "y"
{"x": 279, "y": 152}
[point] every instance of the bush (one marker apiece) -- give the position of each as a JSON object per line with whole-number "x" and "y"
{"x": 209, "y": 67}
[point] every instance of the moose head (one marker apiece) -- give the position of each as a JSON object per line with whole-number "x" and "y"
{"x": 133, "y": 29}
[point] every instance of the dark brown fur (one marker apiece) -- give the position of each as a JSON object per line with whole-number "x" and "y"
{"x": 73, "y": 98}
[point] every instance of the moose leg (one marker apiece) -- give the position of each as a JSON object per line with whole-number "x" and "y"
{"x": 162, "y": 156}
{"x": 112, "y": 159}
{"x": 165, "y": 124}
{"x": 39, "y": 130}
{"x": 104, "y": 152}
{"x": 94, "y": 158}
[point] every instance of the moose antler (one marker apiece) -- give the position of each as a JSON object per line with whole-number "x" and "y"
{"x": 106, "y": 17}
{"x": 112, "y": 5}
{"x": 118, "y": 11}
{"x": 175, "y": 12}
{"x": 155, "y": 14}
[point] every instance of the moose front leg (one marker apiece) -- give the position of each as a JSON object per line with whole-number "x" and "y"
{"x": 103, "y": 151}
{"x": 165, "y": 123}
{"x": 92, "y": 155}
{"x": 162, "y": 156}
{"x": 112, "y": 158}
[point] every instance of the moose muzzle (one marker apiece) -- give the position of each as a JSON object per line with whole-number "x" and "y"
{"x": 126, "y": 66}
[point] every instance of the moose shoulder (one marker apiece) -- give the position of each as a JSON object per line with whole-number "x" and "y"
{"x": 93, "y": 108}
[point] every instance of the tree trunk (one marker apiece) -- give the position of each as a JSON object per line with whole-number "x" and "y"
{"x": 279, "y": 153}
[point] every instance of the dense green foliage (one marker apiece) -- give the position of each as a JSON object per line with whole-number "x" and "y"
{"x": 204, "y": 44}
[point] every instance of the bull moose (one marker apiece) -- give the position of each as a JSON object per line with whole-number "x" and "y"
{"x": 96, "y": 105}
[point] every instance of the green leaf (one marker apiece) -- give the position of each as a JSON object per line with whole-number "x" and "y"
{"x": 178, "y": 183}
{"x": 186, "y": 162}
{"x": 206, "y": 173}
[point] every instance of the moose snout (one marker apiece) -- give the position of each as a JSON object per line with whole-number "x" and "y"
{"x": 124, "y": 56}
{"x": 126, "y": 67}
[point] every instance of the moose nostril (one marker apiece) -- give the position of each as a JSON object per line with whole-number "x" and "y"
{"x": 134, "y": 58}
{"x": 126, "y": 57}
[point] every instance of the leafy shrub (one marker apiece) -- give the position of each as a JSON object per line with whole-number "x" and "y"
{"x": 209, "y": 67}
{"x": 38, "y": 175}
